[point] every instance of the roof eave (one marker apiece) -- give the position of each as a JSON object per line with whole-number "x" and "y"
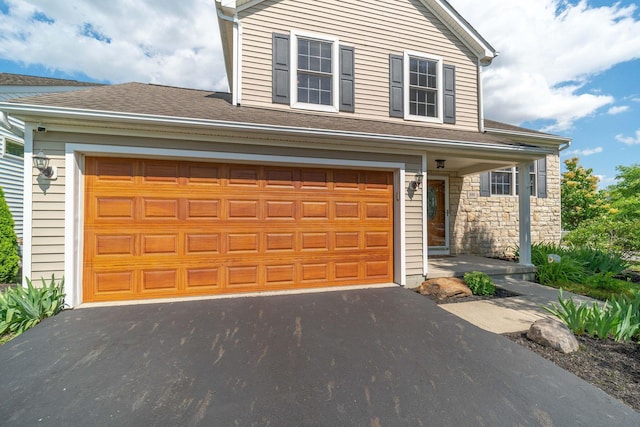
{"x": 38, "y": 113}
{"x": 526, "y": 137}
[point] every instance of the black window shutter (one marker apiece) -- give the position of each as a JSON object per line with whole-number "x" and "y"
{"x": 449, "y": 82}
{"x": 347, "y": 80}
{"x": 542, "y": 178}
{"x": 280, "y": 58}
{"x": 396, "y": 89}
{"x": 485, "y": 184}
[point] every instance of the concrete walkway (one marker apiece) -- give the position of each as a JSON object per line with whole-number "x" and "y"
{"x": 512, "y": 314}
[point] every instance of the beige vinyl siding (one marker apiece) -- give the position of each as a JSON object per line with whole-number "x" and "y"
{"x": 375, "y": 28}
{"x": 48, "y": 212}
{"x": 49, "y": 208}
{"x": 413, "y": 223}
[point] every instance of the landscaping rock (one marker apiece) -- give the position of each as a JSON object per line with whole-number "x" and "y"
{"x": 444, "y": 287}
{"x": 553, "y": 333}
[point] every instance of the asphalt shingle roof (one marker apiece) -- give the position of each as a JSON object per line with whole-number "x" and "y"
{"x": 8, "y": 79}
{"x": 155, "y": 100}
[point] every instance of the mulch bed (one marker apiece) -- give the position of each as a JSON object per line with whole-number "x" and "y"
{"x": 611, "y": 366}
{"x": 500, "y": 293}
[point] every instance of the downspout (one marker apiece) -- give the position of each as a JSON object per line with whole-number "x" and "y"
{"x": 237, "y": 38}
{"x": 480, "y": 100}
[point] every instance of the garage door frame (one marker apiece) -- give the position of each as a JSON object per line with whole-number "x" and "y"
{"x": 74, "y": 195}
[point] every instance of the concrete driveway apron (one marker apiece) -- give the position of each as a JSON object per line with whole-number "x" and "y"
{"x": 369, "y": 357}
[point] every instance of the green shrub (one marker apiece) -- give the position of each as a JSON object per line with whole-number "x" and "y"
{"x": 576, "y": 317}
{"x": 479, "y": 283}
{"x": 599, "y": 261}
{"x": 9, "y": 252}
{"x": 22, "y": 308}
{"x": 568, "y": 270}
{"x": 619, "y": 318}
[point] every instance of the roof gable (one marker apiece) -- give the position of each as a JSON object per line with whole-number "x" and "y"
{"x": 440, "y": 8}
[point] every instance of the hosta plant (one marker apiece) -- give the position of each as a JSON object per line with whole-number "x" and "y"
{"x": 22, "y": 308}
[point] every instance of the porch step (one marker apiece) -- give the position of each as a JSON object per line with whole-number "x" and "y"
{"x": 458, "y": 265}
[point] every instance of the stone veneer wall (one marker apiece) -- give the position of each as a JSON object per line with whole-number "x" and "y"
{"x": 489, "y": 225}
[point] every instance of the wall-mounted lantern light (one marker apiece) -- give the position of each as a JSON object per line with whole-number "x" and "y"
{"x": 41, "y": 162}
{"x": 439, "y": 164}
{"x": 416, "y": 183}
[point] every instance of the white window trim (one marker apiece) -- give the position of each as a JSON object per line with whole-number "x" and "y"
{"x": 4, "y": 141}
{"x": 335, "y": 69}
{"x": 439, "y": 85}
{"x": 514, "y": 181}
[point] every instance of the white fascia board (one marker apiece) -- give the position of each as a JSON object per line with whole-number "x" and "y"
{"x": 42, "y": 113}
{"x": 529, "y": 136}
{"x": 463, "y": 29}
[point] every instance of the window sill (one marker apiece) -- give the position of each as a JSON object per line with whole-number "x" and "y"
{"x": 412, "y": 118}
{"x": 315, "y": 107}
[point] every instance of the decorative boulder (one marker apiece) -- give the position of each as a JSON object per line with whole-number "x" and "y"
{"x": 444, "y": 287}
{"x": 553, "y": 333}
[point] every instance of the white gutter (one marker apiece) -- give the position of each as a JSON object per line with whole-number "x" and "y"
{"x": 68, "y": 113}
{"x": 530, "y": 136}
{"x": 237, "y": 60}
{"x": 4, "y": 121}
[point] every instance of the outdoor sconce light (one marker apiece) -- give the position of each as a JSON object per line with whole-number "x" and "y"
{"x": 41, "y": 162}
{"x": 439, "y": 164}
{"x": 414, "y": 185}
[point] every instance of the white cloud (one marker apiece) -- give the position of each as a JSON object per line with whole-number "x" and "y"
{"x": 629, "y": 140}
{"x": 617, "y": 110}
{"x": 583, "y": 153}
{"x": 548, "y": 52}
{"x": 605, "y": 181}
{"x": 154, "y": 41}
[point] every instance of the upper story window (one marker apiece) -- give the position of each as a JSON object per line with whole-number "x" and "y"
{"x": 421, "y": 87}
{"x": 313, "y": 72}
{"x": 315, "y": 79}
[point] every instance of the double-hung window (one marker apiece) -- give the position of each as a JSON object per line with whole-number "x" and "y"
{"x": 504, "y": 182}
{"x": 314, "y": 83}
{"x": 423, "y": 93}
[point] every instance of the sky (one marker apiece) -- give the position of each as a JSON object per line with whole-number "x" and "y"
{"x": 567, "y": 67}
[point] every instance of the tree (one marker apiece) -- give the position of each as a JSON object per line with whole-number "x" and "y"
{"x": 9, "y": 252}
{"x": 624, "y": 195}
{"x": 579, "y": 194}
{"x": 617, "y": 227}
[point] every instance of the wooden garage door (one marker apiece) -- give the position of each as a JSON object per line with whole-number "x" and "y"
{"x": 158, "y": 228}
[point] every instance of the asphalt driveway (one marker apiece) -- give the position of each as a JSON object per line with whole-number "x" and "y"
{"x": 377, "y": 357}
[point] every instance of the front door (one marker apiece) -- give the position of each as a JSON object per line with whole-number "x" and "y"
{"x": 437, "y": 192}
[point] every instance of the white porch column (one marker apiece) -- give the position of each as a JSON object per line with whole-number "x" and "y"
{"x": 524, "y": 203}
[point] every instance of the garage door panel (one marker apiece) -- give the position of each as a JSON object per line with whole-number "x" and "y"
{"x": 202, "y": 279}
{"x": 203, "y": 209}
{"x": 164, "y": 279}
{"x": 154, "y": 209}
{"x": 243, "y": 276}
{"x": 243, "y": 176}
{"x": 183, "y": 228}
{"x": 109, "y": 282}
{"x": 113, "y": 244}
{"x": 280, "y": 210}
{"x": 155, "y": 244}
{"x": 199, "y": 244}
{"x": 154, "y": 172}
{"x": 243, "y": 209}
{"x": 115, "y": 207}
{"x": 113, "y": 170}
{"x": 280, "y": 275}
